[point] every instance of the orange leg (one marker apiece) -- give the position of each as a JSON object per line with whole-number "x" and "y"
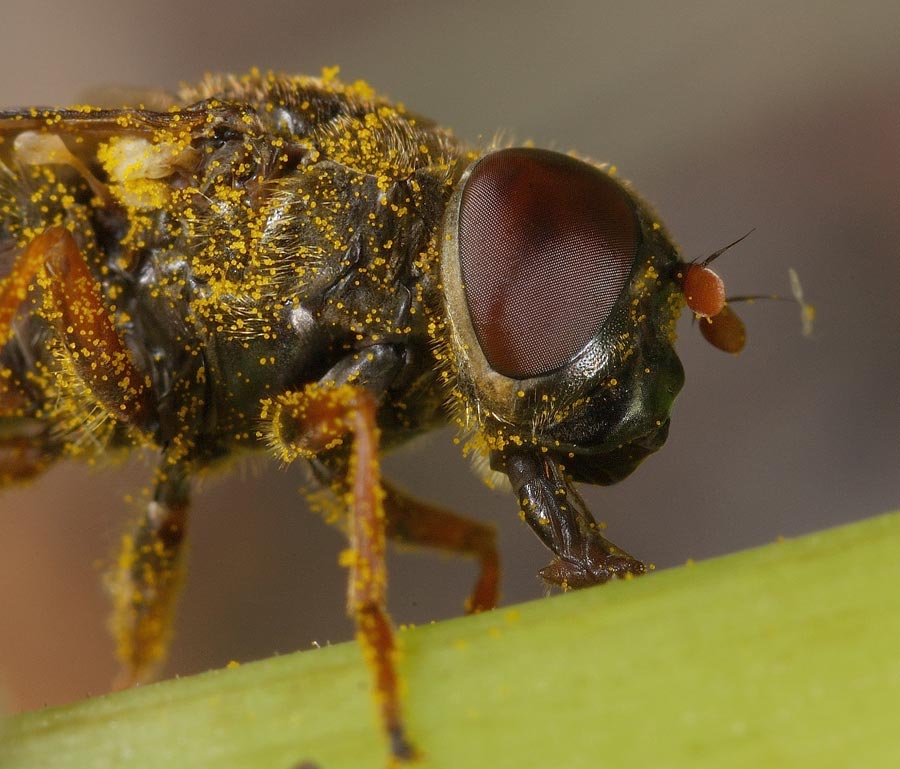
{"x": 15, "y": 286}
{"x": 307, "y": 423}
{"x": 148, "y": 575}
{"x": 73, "y": 305}
{"x": 82, "y": 320}
{"x": 147, "y": 579}
{"x": 418, "y": 523}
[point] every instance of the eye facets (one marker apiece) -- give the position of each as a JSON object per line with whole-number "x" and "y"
{"x": 546, "y": 244}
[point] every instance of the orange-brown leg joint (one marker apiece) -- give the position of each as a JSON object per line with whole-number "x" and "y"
{"x": 85, "y": 327}
{"x": 418, "y": 523}
{"x": 324, "y": 416}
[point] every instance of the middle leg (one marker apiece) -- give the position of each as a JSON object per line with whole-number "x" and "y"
{"x": 414, "y": 522}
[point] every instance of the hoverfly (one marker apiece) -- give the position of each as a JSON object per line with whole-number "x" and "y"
{"x": 297, "y": 266}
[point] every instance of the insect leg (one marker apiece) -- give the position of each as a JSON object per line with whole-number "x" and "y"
{"x": 147, "y": 578}
{"x": 53, "y": 261}
{"x": 95, "y": 346}
{"x": 414, "y": 522}
{"x": 318, "y": 419}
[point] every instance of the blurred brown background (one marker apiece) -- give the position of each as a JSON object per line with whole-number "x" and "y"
{"x": 726, "y": 115}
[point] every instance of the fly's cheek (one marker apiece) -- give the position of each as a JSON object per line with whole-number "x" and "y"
{"x": 546, "y": 246}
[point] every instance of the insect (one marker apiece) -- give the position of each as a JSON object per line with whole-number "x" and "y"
{"x": 297, "y": 266}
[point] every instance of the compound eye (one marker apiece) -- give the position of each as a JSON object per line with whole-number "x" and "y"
{"x": 546, "y": 245}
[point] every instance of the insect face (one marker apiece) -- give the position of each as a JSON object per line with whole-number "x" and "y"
{"x": 562, "y": 298}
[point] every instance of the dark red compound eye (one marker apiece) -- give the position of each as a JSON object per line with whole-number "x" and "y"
{"x": 546, "y": 245}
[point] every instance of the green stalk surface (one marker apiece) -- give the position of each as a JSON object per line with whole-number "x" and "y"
{"x": 787, "y": 655}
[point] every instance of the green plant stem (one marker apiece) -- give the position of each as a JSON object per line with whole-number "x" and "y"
{"x": 783, "y": 656}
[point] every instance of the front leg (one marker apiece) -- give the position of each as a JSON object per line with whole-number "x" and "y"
{"x": 318, "y": 419}
{"x": 558, "y": 515}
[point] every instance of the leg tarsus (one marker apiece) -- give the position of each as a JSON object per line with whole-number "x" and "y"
{"x": 376, "y": 636}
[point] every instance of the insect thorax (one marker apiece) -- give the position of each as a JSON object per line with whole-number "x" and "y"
{"x": 245, "y": 242}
